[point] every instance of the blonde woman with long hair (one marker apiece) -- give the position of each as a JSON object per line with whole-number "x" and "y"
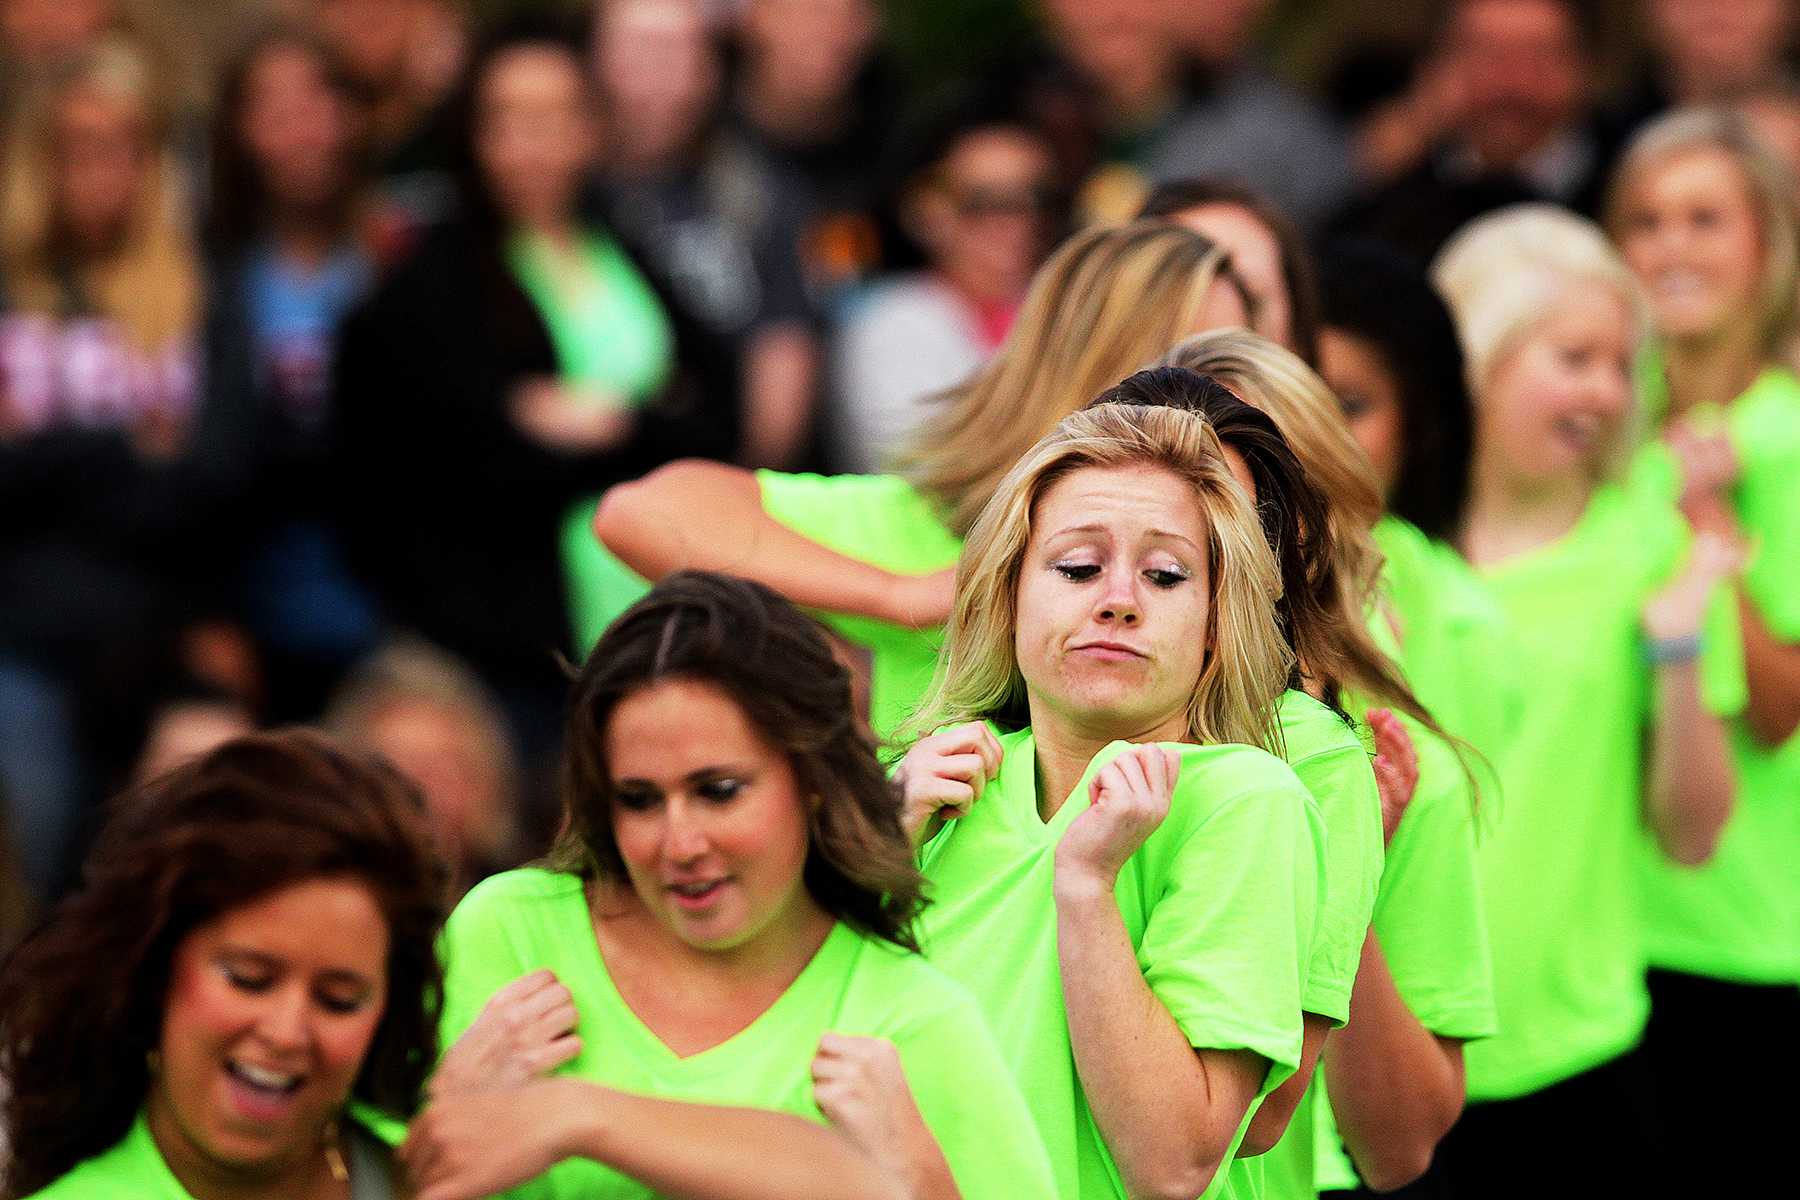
{"x": 1620, "y": 742}
{"x": 1396, "y": 1069}
{"x": 875, "y": 551}
{"x": 1123, "y": 876}
{"x": 1704, "y": 216}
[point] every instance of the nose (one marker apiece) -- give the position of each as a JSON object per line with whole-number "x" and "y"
{"x": 283, "y": 1021}
{"x": 1118, "y": 601}
{"x": 684, "y": 833}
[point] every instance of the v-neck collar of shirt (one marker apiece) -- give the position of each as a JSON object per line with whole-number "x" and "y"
{"x": 1018, "y": 790}
{"x": 624, "y": 1021}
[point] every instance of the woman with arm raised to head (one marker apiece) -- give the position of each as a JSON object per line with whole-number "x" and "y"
{"x": 876, "y": 551}
{"x": 1126, "y": 882}
{"x": 712, "y": 989}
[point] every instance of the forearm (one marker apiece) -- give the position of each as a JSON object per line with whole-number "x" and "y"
{"x": 710, "y": 1152}
{"x": 1691, "y": 785}
{"x": 706, "y": 516}
{"x": 1278, "y": 1107}
{"x": 1148, "y": 1091}
{"x": 1395, "y": 1087}
{"x": 1772, "y": 669}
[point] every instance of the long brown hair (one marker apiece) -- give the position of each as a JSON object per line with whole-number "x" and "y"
{"x": 1107, "y": 302}
{"x": 81, "y": 1000}
{"x": 774, "y": 662}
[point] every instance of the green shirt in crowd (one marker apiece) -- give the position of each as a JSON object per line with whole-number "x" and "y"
{"x": 1220, "y": 903}
{"x": 526, "y": 920}
{"x": 1559, "y": 871}
{"x": 1457, "y": 655}
{"x": 884, "y": 521}
{"x": 1738, "y": 916}
{"x": 610, "y": 333}
{"x": 133, "y": 1168}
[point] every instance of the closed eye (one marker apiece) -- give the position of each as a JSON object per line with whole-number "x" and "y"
{"x": 720, "y": 790}
{"x": 1165, "y": 578}
{"x": 1076, "y": 572}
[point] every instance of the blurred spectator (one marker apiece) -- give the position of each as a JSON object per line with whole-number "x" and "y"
{"x": 36, "y": 35}
{"x": 1518, "y": 126}
{"x": 711, "y": 214}
{"x": 518, "y": 361}
{"x": 114, "y": 474}
{"x": 981, "y": 203}
{"x": 1243, "y": 124}
{"x": 1267, "y": 252}
{"x": 812, "y": 91}
{"x": 431, "y": 717}
{"x": 191, "y": 720}
{"x": 289, "y": 241}
{"x": 1774, "y": 114}
{"x": 1707, "y": 52}
{"x": 406, "y": 56}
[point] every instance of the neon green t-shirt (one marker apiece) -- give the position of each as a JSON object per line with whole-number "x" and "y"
{"x": 609, "y": 332}
{"x": 526, "y": 920}
{"x": 1330, "y": 758}
{"x": 1738, "y": 916}
{"x": 1220, "y": 903}
{"x": 133, "y": 1168}
{"x": 1559, "y": 872}
{"x": 884, "y": 521}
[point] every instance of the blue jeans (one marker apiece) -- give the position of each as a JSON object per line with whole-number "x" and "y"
{"x": 41, "y": 784}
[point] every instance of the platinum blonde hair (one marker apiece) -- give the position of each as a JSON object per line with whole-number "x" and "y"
{"x": 1503, "y": 273}
{"x": 1247, "y": 663}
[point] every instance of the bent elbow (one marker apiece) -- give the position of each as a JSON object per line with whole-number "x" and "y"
{"x": 615, "y": 515}
{"x": 1260, "y": 1138}
{"x": 1394, "y": 1169}
{"x": 1691, "y": 847}
{"x": 1182, "y": 1183}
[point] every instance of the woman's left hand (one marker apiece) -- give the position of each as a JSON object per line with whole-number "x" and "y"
{"x": 1128, "y": 799}
{"x": 860, "y": 1086}
{"x": 480, "y": 1143}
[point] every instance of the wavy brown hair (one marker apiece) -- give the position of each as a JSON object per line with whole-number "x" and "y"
{"x": 81, "y": 999}
{"x": 774, "y": 662}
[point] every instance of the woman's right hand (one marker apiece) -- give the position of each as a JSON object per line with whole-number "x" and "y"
{"x": 943, "y": 775}
{"x": 525, "y": 1031}
{"x": 1679, "y": 608}
{"x": 860, "y": 1086}
{"x": 1396, "y": 768}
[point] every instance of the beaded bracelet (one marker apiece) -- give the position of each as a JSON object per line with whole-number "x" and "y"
{"x": 1662, "y": 652}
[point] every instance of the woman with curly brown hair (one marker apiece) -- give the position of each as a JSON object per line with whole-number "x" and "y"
{"x": 242, "y": 986}
{"x": 719, "y": 953}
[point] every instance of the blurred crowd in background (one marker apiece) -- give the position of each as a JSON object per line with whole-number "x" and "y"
{"x": 324, "y": 322}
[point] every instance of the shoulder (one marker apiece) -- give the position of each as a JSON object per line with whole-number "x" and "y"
{"x": 503, "y": 898}
{"x": 130, "y": 1169}
{"x": 1310, "y": 729}
{"x": 900, "y": 992}
{"x": 1219, "y": 778}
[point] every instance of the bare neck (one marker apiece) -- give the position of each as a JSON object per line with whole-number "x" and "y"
{"x": 1066, "y": 746}
{"x": 1712, "y": 370}
{"x": 1510, "y": 514}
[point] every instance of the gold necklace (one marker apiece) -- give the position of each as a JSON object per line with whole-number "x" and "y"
{"x": 334, "y": 1153}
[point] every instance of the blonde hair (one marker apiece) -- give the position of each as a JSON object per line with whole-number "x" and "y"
{"x": 1767, "y": 179}
{"x": 1106, "y": 303}
{"x": 151, "y": 285}
{"x": 1503, "y": 273}
{"x": 1333, "y": 643}
{"x": 1248, "y": 661}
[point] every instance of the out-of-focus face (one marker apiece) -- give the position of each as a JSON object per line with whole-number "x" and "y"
{"x": 1524, "y": 71}
{"x": 271, "y": 1009}
{"x": 439, "y": 751}
{"x": 103, "y": 161}
{"x": 984, "y": 217}
{"x": 813, "y": 48}
{"x": 296, "y": 128}
{"x": 1256, "y": 256}
{"x": 45, "y": 31}
{"x": 656, "y": 65}
{"x": 1556, "y": 402}
{"x": 534, "y": 136}
{"x": 1114, "y": 602}
{"x": 372, "y": 37}
{"x": 1689, "y": 232}
{"x": 1223, "y": 308}
{"x": 708, "y": 817}
{"x": 1107, "y": 37}
{"x": 1716, "y": 46}
{"x": 1358, "y": 373}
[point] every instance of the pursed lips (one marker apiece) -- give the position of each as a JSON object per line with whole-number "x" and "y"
{"x": 1107, "y": 647}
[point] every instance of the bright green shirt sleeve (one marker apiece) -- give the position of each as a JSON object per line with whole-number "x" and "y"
{"x": 1325, "y": 752}
{"x": 881, "y": 520}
